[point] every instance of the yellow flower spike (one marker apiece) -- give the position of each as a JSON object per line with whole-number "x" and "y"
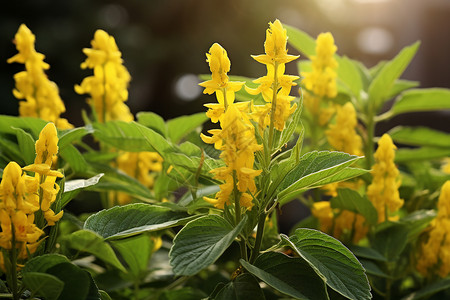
{"x": 41, "y": 95}
{"x": 108, "y": 87}
{"x": 47, "y": 145}
{"x": 342, "y": 136}
{"x": 434, "y": 252}
{"x": 383, "y": 191}
{"x": 322, "y": 79}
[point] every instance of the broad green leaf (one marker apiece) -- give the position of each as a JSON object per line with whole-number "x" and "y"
{"x": 420, "y": 154}
{"x": 26, "y": 145}
{"x": 331, "y": 260}
{"x": 429, "y": 290}
{"x": 71, "y": 135}
{"x": 153, "y": 121}
{"x": 43, "y": 262}
{"x": 42, "y": 284}
{"x": 74, "y": 158}
{"x": 384, "y": 81}
{"x": 34, "y": 125}
{"x": 301, "y": 41}
{"x": 417, "y": 100}
{"x": 401, "y": 85}
{"x": 76, "y": 281}
{"x": 136, "y": 252}
{"x": 312, "y": 168}
{"x": 243, "y": 287}
{"x": 201, "y": 242}
{"x": 104, "y": 295}
{"x": 351, "y": 200}
{"x": 372, "y": 269}
{"x": 11, "y": 150}
{"x": 132, "y": 219}
{"x": 420, "y": 136}
{"x": 179, "y": 127}
{"x": 73, "y": 187}
{"x": 349, "y": 76}
{"x": 391, "y": 239}
{"x": 417, "y": 221}
{"x": 90, "y": 242}
{"x": 205, "y": 191}
{"x": 292, "y": 276}
{"x": 365, "y": 252}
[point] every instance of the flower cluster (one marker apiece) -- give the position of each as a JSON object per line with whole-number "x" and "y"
{"x": 108, "y": 86}
{"x": 140, "y": 165}
{"x": 436, "y": 250}
{"x": 321, "y": 81}
{"x": 236, "y": 138}
{"x": 383, "y": 191}
{"x": 275, "y": 87}
{"x": 22, "y": 197}
{"x": 41, "y": 95}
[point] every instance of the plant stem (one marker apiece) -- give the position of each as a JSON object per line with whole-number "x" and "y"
{"x": 259, "y": 235}
{"x": 237, "y": 209}
{"x": 370, "y": 126}
{"x": 274, "y": 106}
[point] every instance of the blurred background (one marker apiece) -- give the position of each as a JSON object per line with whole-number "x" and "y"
{"x": 163, "y": 42}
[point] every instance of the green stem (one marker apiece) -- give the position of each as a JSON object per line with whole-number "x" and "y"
{"x": 237, "y": 209}
{"x": 370, "y": 126}
{"x": 14, "y": 288}
{"x": 259, "y": 235}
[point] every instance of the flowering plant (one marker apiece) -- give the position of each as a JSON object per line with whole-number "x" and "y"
{"x": 190, "y": 215}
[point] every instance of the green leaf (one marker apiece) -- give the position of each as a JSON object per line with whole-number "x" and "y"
{"x": 365, "y": 252}
{"x": 349, "y": 76}
{"x": 90, "y": 242}
{"x": 351, "y": 200}
{"x": 331, "y": 260}
{"x": 291, "y": 276}
{"x": 11, "y": 150}
{"x": 74, "y": 158}
{"x": 71, "y": 135}
{"x": 179, "y": 127}
{"x": 417, "y": 100}
{"x": 312, "y": 168}
{"x": 42, "y": 284}
{"x": 382, "y": 84}
{"x": 136, "y": 252}
{"x": 104, "y": 295}
{"x": 372, "y": 269}
{"x": 243, "y": 287}
{"x": 391, "y": 239}
{"x": 73, "y": 187}
{"x": 153, "y": 121}
{"x": 420, "y": 136}
{"x": 184, "y": 293}
{"x": 401, "y": 85}
{"x": 43, "y": 262}
{"x": 132, "y": 219}
{"x": 301, "y": 41}
{"x": 34, "y": 125}
{"x": 417, "y": 221}
{"x": 26, "y": 145}
{"x": 201, "y": 242}
{"x": 429, "y": 290}
{"x": 420, "y": 154}
{"x": 76, "y": 281}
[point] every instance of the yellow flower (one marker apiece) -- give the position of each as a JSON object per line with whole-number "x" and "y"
{"x": 342, "y": 136}
{"x": 237, "y": 142}
{"x": 275, "y": 87}
{"x": 41, "y": 95}
{"x": 434, "y": 252}
{"x": 47, "y": 145}
{"x": 322, "y": 79}
{"x": 383, "y": 191}
{"x": 108, "y": 87}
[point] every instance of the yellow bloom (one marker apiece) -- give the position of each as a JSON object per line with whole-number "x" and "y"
{"x": 108, "y": 87}
{"x": 322, "y": 79}
{"x": 434, "y": 252}
{"x": 342, "y": 136}
{"x": 383, "y": 191}
{"x": 47, "y": 145}
{"x": 41, "y": 95}
{"x": 238, "y": 145}
{"x": 275, "y": 87}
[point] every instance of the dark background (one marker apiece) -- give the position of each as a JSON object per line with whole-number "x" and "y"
{"x": 163, "y": 42}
